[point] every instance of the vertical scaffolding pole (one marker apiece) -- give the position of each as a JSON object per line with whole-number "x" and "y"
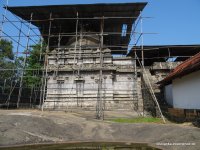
{"x": 41, "y": 89}
{"x": 135, "y": 52}
{"x": 142, "y": 40}
{"x": 3, "y": 20}
{"x": 31, "y": 96}
{"x": 75, "y": 46}
{"x": 99, "y": 107}
{"x": 40, "y": 59}
{"x": 41, "y": 48}
{"x": 80, "y": 47}
{"x": 58, "y": 56}
{"x": 46, "y": 61}
{"x": 135, "y": 90}
{"x": 58, "y": 53}
{"x": 79, "y": 84}
{"x": 19, "y": 38}
{"x": 24, "y": 63}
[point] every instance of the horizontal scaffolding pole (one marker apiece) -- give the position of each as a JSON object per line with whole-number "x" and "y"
{"x": 94, "y": 18}
{"x": 85, "y": 90}
{"x": 90, "y": 34}
{"x": 89, "y": 100}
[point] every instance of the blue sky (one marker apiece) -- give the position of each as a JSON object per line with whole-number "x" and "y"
{"x": 174, "y": 21}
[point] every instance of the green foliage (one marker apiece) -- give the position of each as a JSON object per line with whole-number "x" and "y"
{"x": 31, "y": 72}
{"x": 6, "y": 60}
{"x": 6, "y": 49}
{"x": 138, "y": 120}
{"x": 6, "y": 74}
{"x": 19, "y": 62}
{"x": 34, "y": 66}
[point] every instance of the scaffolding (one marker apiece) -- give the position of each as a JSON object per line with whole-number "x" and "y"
{"x": 38, "y": 92}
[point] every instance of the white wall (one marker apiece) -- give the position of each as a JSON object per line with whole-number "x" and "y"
{"x": 186, "y": 91}
{"x": 168, "y": 94}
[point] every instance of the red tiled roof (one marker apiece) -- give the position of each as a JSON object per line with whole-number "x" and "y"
{"x": 190, "y": 65}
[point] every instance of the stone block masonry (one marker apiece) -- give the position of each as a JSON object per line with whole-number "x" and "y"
{"x": 73, "y": 79}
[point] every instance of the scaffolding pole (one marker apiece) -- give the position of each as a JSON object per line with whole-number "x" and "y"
{"x": 46, "y": 63}
{"x": 24, "y": 64}
{"x": 142, "y": 38}
{"x": 3, "y": 19}
{"x": 99, "y": 106}
{"x": 151, "y": 90}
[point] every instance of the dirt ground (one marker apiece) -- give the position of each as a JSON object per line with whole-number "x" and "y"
{"x": 33, "y": 126}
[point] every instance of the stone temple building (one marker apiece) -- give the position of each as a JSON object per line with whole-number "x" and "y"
{"x": 87, "y": 64}
{"x": 74, "y": 78}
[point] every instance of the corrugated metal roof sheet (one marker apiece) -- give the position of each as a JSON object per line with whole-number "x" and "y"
{"x": 159, "y": 53}
{"x": 84, "y": 11}
{"x": 190, "y": 65}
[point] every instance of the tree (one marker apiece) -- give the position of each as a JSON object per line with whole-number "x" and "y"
{"x": 6, "y": 49}
{"x": 34, "y": 65}
{"x": 6, "y": 59}
{"x": 7, "y": 64}
{"x": 12, "y": 69}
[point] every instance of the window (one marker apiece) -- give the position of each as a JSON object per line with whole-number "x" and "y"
{"x": 124, "y": 30}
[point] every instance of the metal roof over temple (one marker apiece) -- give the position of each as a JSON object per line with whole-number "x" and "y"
{"x": 64, "y": 18}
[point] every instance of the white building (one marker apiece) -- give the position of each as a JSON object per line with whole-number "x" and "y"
{"x": 182, "y": 85}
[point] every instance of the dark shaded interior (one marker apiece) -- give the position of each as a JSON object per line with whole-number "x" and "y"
{"x": 161, "y": 53}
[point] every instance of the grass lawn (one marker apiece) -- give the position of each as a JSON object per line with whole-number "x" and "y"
{"x": 138, "y": 120}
